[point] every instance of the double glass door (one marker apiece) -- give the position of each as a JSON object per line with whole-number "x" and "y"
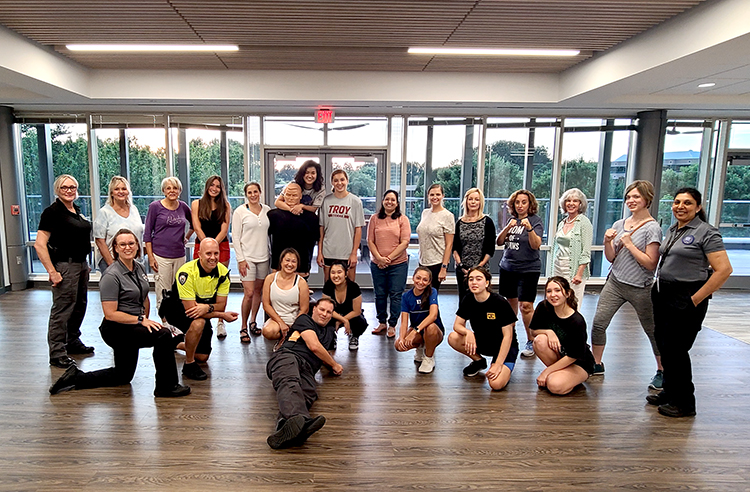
{"x": 367, "y": 178}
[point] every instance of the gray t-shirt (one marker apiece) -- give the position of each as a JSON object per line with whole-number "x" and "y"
{"x": 518, "y": 255}
{"x": 339, "y": 217}
{"x": 686, "y": 260}
{"x": 625, "y": 268}
{"x": 431, "y": 232}
{"x": 129, "y": 289}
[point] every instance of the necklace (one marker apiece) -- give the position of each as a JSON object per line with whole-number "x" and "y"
{"x": 569, "y": 220}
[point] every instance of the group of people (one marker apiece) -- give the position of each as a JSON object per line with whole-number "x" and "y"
{"x": 274, "y": 249}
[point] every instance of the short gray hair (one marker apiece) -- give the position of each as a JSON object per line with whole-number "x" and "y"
{"x": 574, "y": 193}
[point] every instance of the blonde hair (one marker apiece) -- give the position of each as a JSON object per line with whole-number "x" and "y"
{"x": 59, "y": 181}
{"x": 114, "y": 182}
{"x": 466, "y": 197}
{"x": 171, "y": 180}
{"x": 645, "y": 188}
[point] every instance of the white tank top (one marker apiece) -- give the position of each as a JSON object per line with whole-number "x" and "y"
{"x": 285, "y": 302}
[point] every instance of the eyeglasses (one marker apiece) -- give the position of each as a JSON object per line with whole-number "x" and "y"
{"x": 68, "y": 189}
{"x": 127, "y": 245}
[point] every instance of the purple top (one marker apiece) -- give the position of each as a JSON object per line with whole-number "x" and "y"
{"x": 166, "y": 229}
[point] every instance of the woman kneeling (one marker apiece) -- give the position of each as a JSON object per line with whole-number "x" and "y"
{"x": 492, "y": 321}
{"x": 421, "y": 326}
{"x": 559, "y": 333}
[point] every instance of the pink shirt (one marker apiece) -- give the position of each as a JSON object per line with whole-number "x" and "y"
{"x": 387, "y": 234}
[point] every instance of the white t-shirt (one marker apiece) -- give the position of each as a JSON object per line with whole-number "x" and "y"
{"x": 250, "y": 234}
{"x": 108, "y": 222}
{"x": 431, "y": 231}
{"x": 339, "y": 217}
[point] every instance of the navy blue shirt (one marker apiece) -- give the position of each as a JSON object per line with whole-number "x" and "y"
{"x": 519, "y": 256}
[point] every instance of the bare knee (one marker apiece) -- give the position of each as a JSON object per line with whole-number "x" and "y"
{"x": 527, "y": 308}
{"x": 540, "y": 342}
{"x": 271, "y": 330}
{"x": 201, "y": 357}
{"x": 558, "y": 385}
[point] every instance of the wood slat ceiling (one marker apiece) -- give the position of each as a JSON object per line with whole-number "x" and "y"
{"x": 337, "y": 35}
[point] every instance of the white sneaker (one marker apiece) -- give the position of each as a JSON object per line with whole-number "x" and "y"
{"x": 419, "y": 354}
{"x": 528, "y": 351}
{"x": 428, "y": 364}
{"x": 221, "y": 332}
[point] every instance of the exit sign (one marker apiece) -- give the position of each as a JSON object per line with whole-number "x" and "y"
{"x": 324, "y": 116}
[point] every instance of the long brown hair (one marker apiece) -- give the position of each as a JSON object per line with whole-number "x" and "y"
{"x": 570, "y": 296}
{"x": 222, "y": 204}
{"x": 428, "y": 290}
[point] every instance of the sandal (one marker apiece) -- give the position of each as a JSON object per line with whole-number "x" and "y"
{"x": 244, "y": 336}
{"x": 380, "y": 329}
{"x": 391, "y": 332}
{"x": 255, "y": 330}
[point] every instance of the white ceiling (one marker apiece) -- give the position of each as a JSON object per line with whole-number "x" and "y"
{"x": 296, "y": 56}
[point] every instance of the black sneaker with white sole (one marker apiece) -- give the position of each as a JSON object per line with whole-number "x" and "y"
{"x": 475, "y": 367}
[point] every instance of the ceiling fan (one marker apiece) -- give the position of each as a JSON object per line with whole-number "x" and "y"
{"x": 675, "y": 131}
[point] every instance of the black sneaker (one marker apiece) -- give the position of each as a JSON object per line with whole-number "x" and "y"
{"x": 193, "y": 371}
{"x": 78, "y": 347}
{"x": 288, "y": 434}
{"x": 63, "y": 362}
{"x": 475, "y": 367}
{"x": 67, "y": 381}
{"x": 311, "y": 427}
{"x": 657, "y": 399}
{"x": 178, "y": 390}
{"x": 670, "y": 410}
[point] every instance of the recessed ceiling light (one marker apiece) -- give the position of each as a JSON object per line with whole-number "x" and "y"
{"x": 492, "y": 52}
{"x": 707, "y": 84}
{"x": 152, "y": 47}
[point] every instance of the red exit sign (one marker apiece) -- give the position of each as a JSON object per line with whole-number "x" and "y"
{"x": 324, "y": 116}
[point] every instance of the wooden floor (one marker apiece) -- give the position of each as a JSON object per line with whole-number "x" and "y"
{"x": 388, "y": 426}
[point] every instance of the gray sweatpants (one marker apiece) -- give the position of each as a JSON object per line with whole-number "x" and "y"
{"x": 614, "y": 294}
{"x": 294, "y": 382}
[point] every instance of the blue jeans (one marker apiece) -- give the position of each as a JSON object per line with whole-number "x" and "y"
{"x": 389, "y": 283}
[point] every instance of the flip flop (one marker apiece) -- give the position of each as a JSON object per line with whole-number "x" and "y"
{"x": 380, "y": 329}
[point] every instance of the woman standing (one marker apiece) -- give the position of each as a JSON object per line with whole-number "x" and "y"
{"x": 168, "y": 227}
{"x": 210, "y": 217}
{"x": 250, "y": 228}
{"x": 118, "y": 213}
{"x": 347, "y": 303}
{"x": 310, "y": 178}
{"x": 421, "y": 326}
{"x": 474, "y": 242}
{"x": 63, "y": 245}
{"x": 285, "y": 296}
{"x": 521, "y": 266}
{"x": 341, "y": 222}
{"x": 492, "y": 330}
{"x": 560, "y": 339}
{"x": 632, "y": 246}
{"x": 126, "y": 327}
{"x": 435, "y": 231}
{"x": 680, "y": 297}
{"x": 388, "y": 236}
{"x": 571, "y": 251}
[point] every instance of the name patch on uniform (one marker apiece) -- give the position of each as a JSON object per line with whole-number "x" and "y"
{"x": 490, "y": 315}
{"x": 182, "y": 278}
{"x": 688, "y": 240}
{"x": 295, "y": 336}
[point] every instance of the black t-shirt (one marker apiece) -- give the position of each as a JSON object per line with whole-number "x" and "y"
{"x": 571, "y": 331}
{"x": 352, "y": 292}
{"x": 69, "y": 233}
{"x": 295, "y": 343}
{"x": 287, "y": 230}
{"x": 487, "y": 320}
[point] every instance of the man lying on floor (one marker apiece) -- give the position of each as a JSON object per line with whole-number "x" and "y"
{"x": 292, "y": 370}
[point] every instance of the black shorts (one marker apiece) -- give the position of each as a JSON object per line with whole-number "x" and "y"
{"x": 329, "y": 262}
{"x": 521, "y": 286}
{"x": 490, "y": 349}
{"x": 182, "y": 321}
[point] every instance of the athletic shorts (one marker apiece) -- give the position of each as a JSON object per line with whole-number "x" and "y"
{"x": 521, "y": 286}
{"x": 256, "y": 271}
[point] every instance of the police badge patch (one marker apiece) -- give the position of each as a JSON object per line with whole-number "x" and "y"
{"x": 182, "y": 278}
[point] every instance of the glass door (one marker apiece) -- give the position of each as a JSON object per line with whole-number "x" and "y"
{"x": 366, "y": 170}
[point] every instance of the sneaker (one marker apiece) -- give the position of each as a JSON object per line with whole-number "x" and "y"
{"x": 78, "y": 347}
{"x": 657, "y": 399}
{"x": 475, "y": 367}
{"x": 177, "y": 391}
{"x": 193, "y": 371}
{"x": 427, "y": 365}
{"x": 67, "y": 381}
{"x": 311, "y": 427}
{"x": 670, "y": 410}
{"x": 353, "y": 342}
{"x": 528, "y": 351}
{"x": 63, "y": 362}
{"x": 419, "y": 354}
{"x": 598, "y": 369}
{"x": 657, "y": 382}
{"x": 287, "y": 435}
{"x": 221, "y": 332}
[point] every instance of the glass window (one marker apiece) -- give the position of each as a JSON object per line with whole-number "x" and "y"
{"x": 108, "y": 156}
{"x": 70, "y": 155}
{"x": 416, "y": 145}
{"x": 361, "y": 132}
{"x": 682, "y": 157}
{"x": 253, "y": 135}
{"x": 204, "y": 158}
{"x": 292, "y": 132}
{"x": 148, "y": 165}
{"x": 503, "y": 167}
{"x": 362, "y": 172}
{"x": 32, "y": 180}
{"x": 735, "y": 209}
{"x": 236, "y": 171}
{"x": 397, "y": 133}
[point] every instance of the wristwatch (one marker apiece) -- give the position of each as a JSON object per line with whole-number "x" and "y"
{"x": 140, "y": 318}
{"x": 210, "y": 308}
{"x": 444, "y": 265}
